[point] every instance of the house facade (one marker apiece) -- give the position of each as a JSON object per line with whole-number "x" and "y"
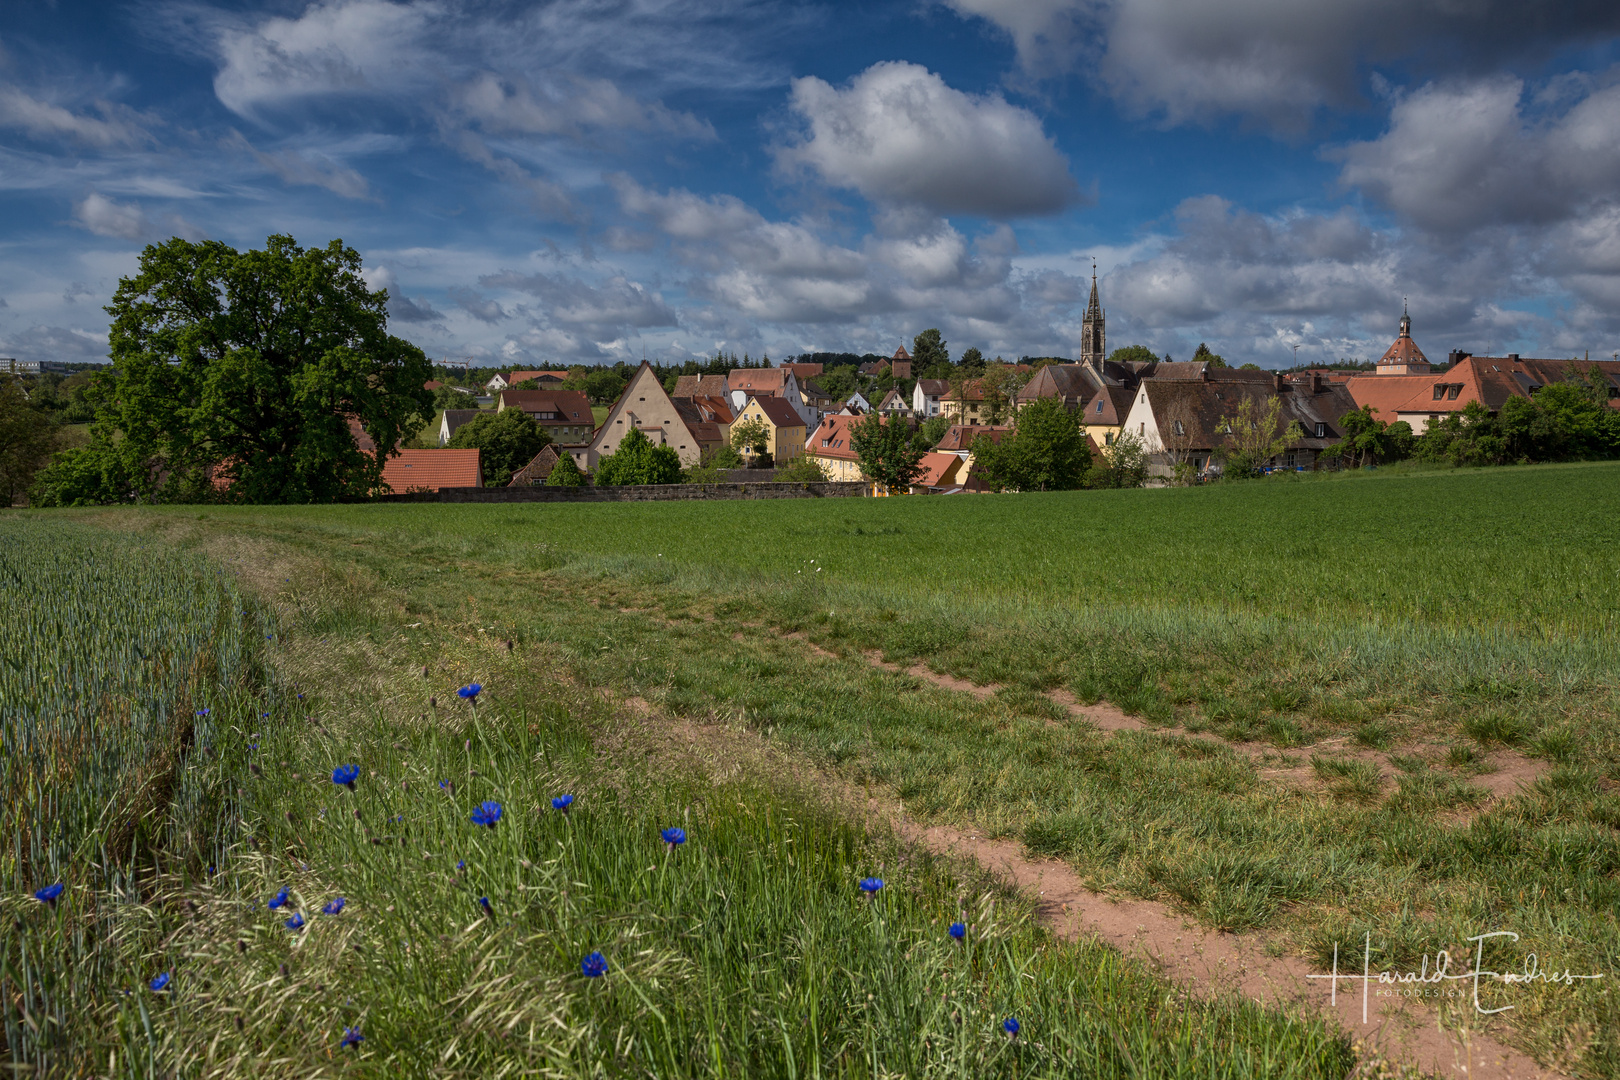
{"x": 643, "y": 406}
{"x": 452, "y": 420}
{"x": 745, "y": 383}
{"x": 566, "y": 414}
{"x": 829, "y": 447}
{"x": 785, "y": 429}
{"x": 927, "y": 396}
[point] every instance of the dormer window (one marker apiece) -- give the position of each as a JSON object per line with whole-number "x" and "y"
{"x": 1451, "y": 394}
{"x": 1321, "y": 430}
{"x": 1439, "y": 391}
{"x": 1099, "y": 405}
{"x": 1180, "y": 428}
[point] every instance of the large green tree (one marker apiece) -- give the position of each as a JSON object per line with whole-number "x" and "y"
{"x": 238, "y": 374}
{"x": 508, "y": 439}
{"x": 1128, "y": 354}
{"x": 1047, "y": 451}
{"x": 885, "y": 451}
{"x": 929, "y": 357}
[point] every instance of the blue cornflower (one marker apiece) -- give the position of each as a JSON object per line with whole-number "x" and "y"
{"x": 267, "y": 716}
{"x": 334, "y": 907}
{"x": 483, "y": 902}
{"x": 296, "y": 923}
{"x": 471, "y": 692}
{"x": 461, "y": 864}
{"x": 674, "y": 837}
{"x": 1010, "y": 1025}
{"x": 351, "y": 1037}
{"x": 160, "y": 982}
{"x": 48, "y": 894}
{"x": 870, "y": 886}
{"x": 957, "y": 931}
{"x": 488, "y": 813}
{"x": 444, "y": 785}
{"x": 202, "y": 712}
{"x": 346, "y": 775}
{"x": 562, "y": 802}
{"x": 594, "y": 966}
{"x": 279, "y": 900}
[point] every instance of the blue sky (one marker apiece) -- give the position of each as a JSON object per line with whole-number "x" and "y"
{"x": 589, "y": 181}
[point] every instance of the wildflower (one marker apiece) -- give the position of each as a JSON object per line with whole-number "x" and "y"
{"x": 301, "y": 696}
{"x": 346, "y": 775}
{"x": 957, "y": 931}
{"x": 351, "y": 1037}
{"x": 160, "y": 982}
{"x": 870, "y": 886}
{"x": 461, "y": 864}
{"x": 447, "y": 787}
{"x": 594, "y": 966}
{"x": 266, "y": 716}
{"x": 1010, "y": 1025}
{"x": 279, "y": 900}
{"x": 202, "y": 712}
{"x": 470, "y": 692}
{"x": 296, "y": 923}
{"x": 562, "y": 802}
{"x": 334, "y": 907}
{"x": 48, "y": 894}
{"x": 674, "y": 837}
{"x": 483, "y": 902}
{"x": 488, "y": 813}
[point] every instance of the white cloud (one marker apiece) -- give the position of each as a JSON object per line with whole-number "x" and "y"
{"x": 104, "y": 217}
{"x": 117, "y": 126}
{"x": 571, "y": 106}
{"x": 307, "y": 167}
{"x": 1275, "y": 61}
{"x": 899, "y": 135}
{"x": 1460, "y": 156}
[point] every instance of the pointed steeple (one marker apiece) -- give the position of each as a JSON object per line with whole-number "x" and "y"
{"x": 1093, "y": 329}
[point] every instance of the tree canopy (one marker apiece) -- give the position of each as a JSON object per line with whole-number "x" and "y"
{"x": 929, "y": 357}
{"x": 1128, "y": 354}
{"x": 885, "y": 452}
{"x": 238, "y": 375}
{"x": 1203, "y": 354}
{"x": 1046, "y": 451}
{"x": 27, "y": 437}
{"x": 509, "y": 440}
{"x": 638, "y": 461}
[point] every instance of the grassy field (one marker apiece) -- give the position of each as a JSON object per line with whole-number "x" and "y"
{"x": 1439, "y": 616}
{"x": 269, "y": 913}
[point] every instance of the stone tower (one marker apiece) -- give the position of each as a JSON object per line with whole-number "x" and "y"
{"x": 1093, "y": 330}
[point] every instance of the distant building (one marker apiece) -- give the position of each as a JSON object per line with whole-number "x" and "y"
{"x": 784, "y": 427}
{"x": 829, "y": 446}
{"x": 432, "y": 470}
{"x": 566, "y": 414}
{"x": 643, "y": 406}
{"x": 1489, "y": 380}
{"x": 453, "y": 420}
{"x": 1404, "y": 357}
{"x": 1094, "y": 330}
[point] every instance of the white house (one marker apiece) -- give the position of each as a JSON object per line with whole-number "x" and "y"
{"x": 926, "y": 397}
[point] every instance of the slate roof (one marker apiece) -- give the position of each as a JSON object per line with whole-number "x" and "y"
{"x": 431, "y": 470}
{"x": 934, "y": 387}
{"x": 455, "y": 418}
{"x": 1108, "y": 407}
{"x": 537, "y": 470}
{"x": 1210, "y": 401}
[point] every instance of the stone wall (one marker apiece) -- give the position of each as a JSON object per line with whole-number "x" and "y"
{"x": 636, "y": 493}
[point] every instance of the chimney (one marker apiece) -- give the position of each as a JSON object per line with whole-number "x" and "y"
{"x": 1282, "y": 382}
{"x": 1457, "y": 356}
{"x": 1513, "y": 356}
{"x": 1316, "y": 382}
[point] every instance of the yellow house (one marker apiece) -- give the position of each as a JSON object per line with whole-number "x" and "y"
{"x": 784, "y": 427}
{"x": 829, "y": 448}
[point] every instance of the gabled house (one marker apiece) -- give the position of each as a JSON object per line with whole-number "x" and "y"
{"x": 1181, "y": 420}
{"x": 566, "y": 414}
{"x": 1103, "y": 416}
{"x": 817, "y": 400}
{"x": 1490, "y": 380}
{"x": 858, "y": 404}
{"x": 745, "y": 383}
{"x": 452, "y": 420}
{"x": 432, "y": 470}
{"x": 538, "y": 470}
{"x": 939, "y": 472}
{"x": 785, "y": 429}
{"x": 927, "y": 395}
{"x": 708, "y": 419}
{"x": 829, "y": 446}
{"x": 894, "y": 403}
{"x": 646, "y": 407}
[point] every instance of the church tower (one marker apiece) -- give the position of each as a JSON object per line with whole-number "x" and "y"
{"x": 1404, "y": 357}
{"x": 1093, "y": 330}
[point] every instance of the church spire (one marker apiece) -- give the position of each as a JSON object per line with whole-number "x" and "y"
{"x": 1093, "y": 328}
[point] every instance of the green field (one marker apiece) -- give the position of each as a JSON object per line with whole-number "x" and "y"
{"x": 1438, "y": 616}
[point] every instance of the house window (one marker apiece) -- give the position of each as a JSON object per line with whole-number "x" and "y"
{"x": 1180, "y": 430}
{"x": 1321, "y": 431}
{"x": 1456, "y": 388}
{"x": 1439, "y": 391}
{"x": 1108, "y": 439}
{"x": 1099, "y": 405}
{"x": 1141, "y": 429}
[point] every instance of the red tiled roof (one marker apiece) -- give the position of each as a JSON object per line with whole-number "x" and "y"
{"x": 803, "y": 371}
{"x": 1404, "y": 351}
{"x": 830, "y": 438}
{"x": 571, "y": 406}
{"x": 779, "y": 412}
{"x": 430, "y": 470}
{"x": 959, "y": 437}
{"x": 700, "y": 386}
{"x": 935, "y": 465}
{"x": 524, "y": 376}
{"x": 432, "y": 385}
{"x": 757, "y": 379}
{"x": 900, "y": 354}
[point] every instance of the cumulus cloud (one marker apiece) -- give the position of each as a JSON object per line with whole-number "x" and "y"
{"x": 1275, "y": 62}
{"x": 116, "y": 126}
{"x": 104, "y": 217}
{"x": 1460, "y": 156}
{"x": 899, "y": 135}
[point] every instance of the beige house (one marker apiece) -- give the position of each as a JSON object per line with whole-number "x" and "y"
{"x": 643, "y": 405}
{"x": 829, "y": 447}
{"x": 783, "y": 425}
